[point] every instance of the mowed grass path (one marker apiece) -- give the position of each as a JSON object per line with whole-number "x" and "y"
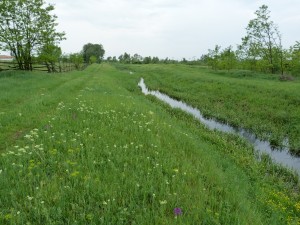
{"x": 89, "y": 148}
{"x": 258, "y": 102}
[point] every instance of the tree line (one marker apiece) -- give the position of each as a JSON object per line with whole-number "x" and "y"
{"x": 138, "y": 59}
{"x": 261, "y": 50}
{"x": 28, "y": 32}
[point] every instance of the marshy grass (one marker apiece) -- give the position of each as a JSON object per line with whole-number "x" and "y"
{"x": 260, "y": 103}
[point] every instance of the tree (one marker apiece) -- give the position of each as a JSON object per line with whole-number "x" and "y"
{"x": 50, "y": 55}
{"x": 155, "y": 60}
{"x": 25, "y": 27}
{"x": 214, "y": 57}
{"x": 263, "y": 40}
{"x": 77, "y": 60}
{"x": 228, "y": 58}
{"x": 125, "y": 58}
{"x": 147, "y": 60}
{"x": 136, "y": 59}
{"x": 114, "y": 59}
{"x": 93, "y": 59}
{"x": 95, "y": 50}
{"x": 295, "y": 58}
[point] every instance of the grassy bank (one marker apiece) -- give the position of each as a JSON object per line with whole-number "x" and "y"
{"x": 88, "y": 148}
{"x": 258, "y": 102}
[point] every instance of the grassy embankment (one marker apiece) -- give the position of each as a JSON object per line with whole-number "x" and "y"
{"x": 258, "y": 102}
{"x": 88, "y": 148}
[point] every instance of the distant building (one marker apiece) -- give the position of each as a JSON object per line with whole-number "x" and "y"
{"x": 7, "y": 58}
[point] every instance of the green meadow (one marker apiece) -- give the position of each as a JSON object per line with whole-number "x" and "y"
{"x": 88, "y": 147}
{"x": 261, "y": 103}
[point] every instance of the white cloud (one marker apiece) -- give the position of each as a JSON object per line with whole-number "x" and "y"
{"x": 167, "y": 28}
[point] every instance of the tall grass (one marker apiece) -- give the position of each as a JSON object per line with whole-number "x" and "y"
{"x": 258, "y": 102}
{"x": 88, "y": 148}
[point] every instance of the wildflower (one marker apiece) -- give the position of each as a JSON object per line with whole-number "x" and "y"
{"x": 163, "y": 202}
{"x": 177, "y": 211}
{"x": 29, "y": 198}
{"x": 28, "y": 136}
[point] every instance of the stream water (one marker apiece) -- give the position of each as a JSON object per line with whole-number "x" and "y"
{"x": 278, "y": 155}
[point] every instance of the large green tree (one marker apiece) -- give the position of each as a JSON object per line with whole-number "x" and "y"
{"x": 263, "y": 40}
{"x": 26, "y": 26}
{"x": 93, "y": 50}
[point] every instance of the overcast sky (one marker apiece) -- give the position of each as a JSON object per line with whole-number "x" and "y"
{"x": 167, "y": 28}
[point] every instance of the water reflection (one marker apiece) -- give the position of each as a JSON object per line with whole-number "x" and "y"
{"x": 281, "y": 155}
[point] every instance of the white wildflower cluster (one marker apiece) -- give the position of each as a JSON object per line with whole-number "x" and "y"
{"x": 61, "y": 106}
{"x": 32, "y": 134}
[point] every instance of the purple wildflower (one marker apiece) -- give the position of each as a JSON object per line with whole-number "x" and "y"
{"x": 177, "y": 211}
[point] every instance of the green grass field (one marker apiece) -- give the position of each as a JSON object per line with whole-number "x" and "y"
{"x": 89, "y": 148}
{"x": 258, "y": 102}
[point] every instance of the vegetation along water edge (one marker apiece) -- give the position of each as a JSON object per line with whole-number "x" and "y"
{"x": 257, "y": 102}
{"x": 87, "y": 147}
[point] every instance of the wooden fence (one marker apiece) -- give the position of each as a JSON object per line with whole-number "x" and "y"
{"x": 42, "y": 67}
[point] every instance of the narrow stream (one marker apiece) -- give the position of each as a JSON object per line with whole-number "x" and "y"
{"x": 281, "y": 156}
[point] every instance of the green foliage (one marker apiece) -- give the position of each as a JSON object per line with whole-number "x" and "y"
{"x": 77, "y": 59}
{"x": 263, "y": 40}
{"x": 93, "y": 59}
{"x": 50, "y": 55}
{"x": 95, "y": 50}
{"x": 261, "y": 50}
{"x": 137, "y": 59}
{"x": 26, "y": 26}
{"x": 240, "y": 98}
{"x": 213, "y": 57}
{"x": 227, "y": 59}
{"x": 125, "y": 58}
{"x": 217, "y": 59}
{"x": 294, "y": 63}
{"x": 80, "y": 148}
